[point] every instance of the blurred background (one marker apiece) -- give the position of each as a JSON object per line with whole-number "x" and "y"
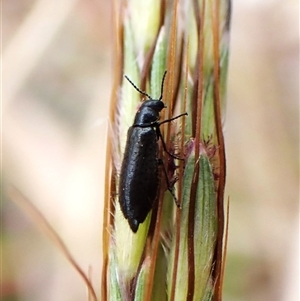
{"x": 56, "y": 78}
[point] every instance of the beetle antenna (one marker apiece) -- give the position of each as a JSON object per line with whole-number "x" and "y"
{"x": 136, "y": 88}
{"x": 162, "y": 85}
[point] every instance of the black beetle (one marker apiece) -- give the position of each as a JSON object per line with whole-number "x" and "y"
{"x": 139, "y": 177}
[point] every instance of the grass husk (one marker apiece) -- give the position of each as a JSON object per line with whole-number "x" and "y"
{"x": 177, "y": 254}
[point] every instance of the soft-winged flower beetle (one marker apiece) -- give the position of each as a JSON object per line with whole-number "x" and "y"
{"x": 139, "y": 177}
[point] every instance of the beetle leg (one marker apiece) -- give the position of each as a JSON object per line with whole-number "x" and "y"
{"x": 160, "y": 162}
{"x": 173, "y": 118}
{"x": 159, "y": 135}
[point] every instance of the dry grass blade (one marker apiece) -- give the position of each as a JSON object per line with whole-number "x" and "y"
{"x": 44, "y": 225}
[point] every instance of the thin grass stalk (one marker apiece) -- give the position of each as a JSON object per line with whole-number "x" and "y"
{"x": 176, "y": 254}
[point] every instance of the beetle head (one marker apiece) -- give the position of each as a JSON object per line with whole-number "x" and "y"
{"x": 148, "y": 112}
{"x": 155, "y": 104}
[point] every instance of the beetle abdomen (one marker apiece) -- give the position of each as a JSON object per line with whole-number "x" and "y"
{"x": 139, "y": 181}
